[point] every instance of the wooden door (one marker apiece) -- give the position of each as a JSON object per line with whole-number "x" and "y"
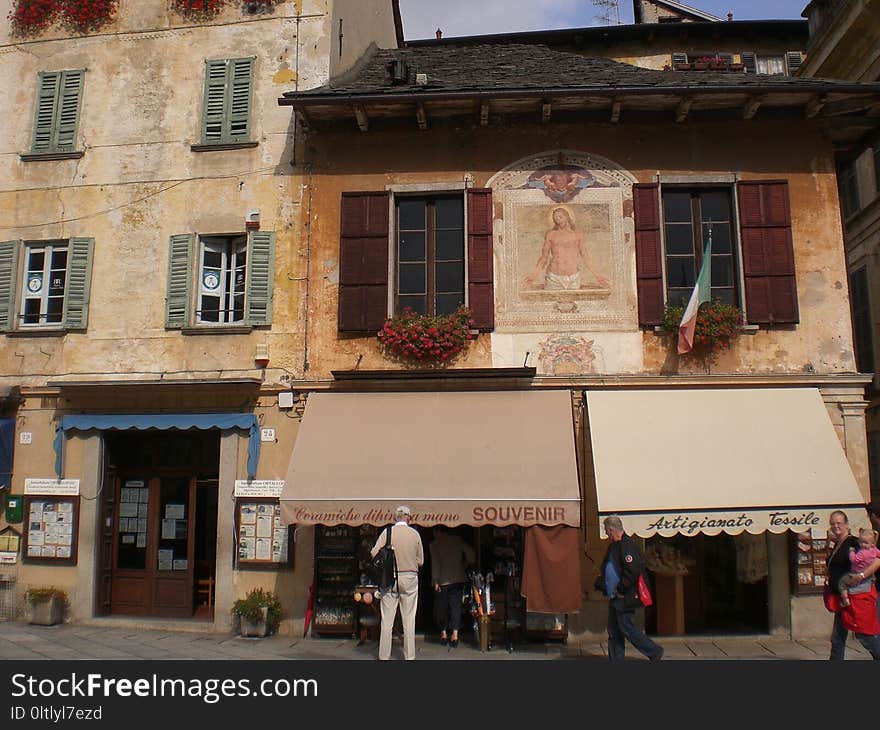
{"x": 106, "y": 532}
{"x": 152, "y": 546}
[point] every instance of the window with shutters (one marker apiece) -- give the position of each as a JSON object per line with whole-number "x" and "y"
{"x": 45, "y": 284}
{"x": 689, "y": 215}
{"x": 429, "y": 235}
{"x": 861, "y": 316}
{"x": 771, "y": 63}
{"x": 429, "y": 252}
{"x": 226, "y": 113}
{"x": 56, "y": 117}
{"x": 756, "y": 273}
{"x": 220, "y": 280}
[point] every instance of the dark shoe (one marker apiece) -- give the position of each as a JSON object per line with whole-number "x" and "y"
{"x": 453, "y": 643}
{"x": 443, "y": 640}
{"x": 659, "y": 656}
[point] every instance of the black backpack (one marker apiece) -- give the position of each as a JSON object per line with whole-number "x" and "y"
{"x": 383, "y": 568}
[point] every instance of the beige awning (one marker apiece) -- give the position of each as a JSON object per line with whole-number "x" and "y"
{"x": 456, "y": 458}
{"x": 689, "y": 461}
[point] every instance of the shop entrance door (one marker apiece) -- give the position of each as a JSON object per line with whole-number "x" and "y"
{"x": 153, "y": 546}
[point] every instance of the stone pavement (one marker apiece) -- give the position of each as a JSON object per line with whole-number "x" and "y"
{"x": 114, "y": 640}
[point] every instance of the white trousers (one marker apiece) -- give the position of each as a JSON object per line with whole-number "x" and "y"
{"x": 405, "y": 593}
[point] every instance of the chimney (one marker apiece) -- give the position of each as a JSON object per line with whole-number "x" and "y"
{"x": 730, "y": 16}
{"x": 439, "y": 34}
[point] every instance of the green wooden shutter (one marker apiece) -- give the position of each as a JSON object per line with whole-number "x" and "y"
{"x": 8, "y": 271}
{"x": 79, "y": 279}
{"x": 44, "y": 117}
{"x": 177, "y": 300}
{"x": 214, "y": 110}
{"x": 67, "y": 119}
{"x": 260, "y": 277}
{"x": 241, "y": 81}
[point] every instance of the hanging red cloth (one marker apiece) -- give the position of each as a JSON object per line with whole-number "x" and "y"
{"x": 551, "y": 577}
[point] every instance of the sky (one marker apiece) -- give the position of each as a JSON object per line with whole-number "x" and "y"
{"x": 421, "y": 18}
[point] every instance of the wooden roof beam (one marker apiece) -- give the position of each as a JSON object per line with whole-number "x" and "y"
{"x": 421, "y": 116}
{"x": 815, "y": 105}
{"x": 615, "y": 110}
{"x": 362, "y": 119}
{"x": 484, "y": 113}
{"x": 546, "y": 111}
{"x": 750, "y": 108}
{"x": 684, "y": 106}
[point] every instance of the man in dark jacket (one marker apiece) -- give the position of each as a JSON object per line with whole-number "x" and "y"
{"x": 621, "y": 568}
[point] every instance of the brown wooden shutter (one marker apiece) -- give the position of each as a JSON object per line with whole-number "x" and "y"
{"x": 768, "y": 252}
{"x": 481, "y": 288}
{"x": 649, "y": 254}
{"x": 363, "y": 262}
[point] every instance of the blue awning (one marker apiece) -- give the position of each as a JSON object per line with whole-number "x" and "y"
{"x": 7, "y": 448}
{"x": 162, "y": 422}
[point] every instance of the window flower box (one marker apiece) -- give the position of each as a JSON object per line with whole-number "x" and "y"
{"x": 718, "y": 324}
{"x": 425, "y": 339}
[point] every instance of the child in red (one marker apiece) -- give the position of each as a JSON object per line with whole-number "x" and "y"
{"x": 859, "y": 560}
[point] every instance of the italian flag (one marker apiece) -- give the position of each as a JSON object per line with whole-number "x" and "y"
{"x": 702, "y": 293}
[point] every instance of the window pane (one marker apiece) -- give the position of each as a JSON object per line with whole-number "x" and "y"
{"x": 720, "y": 237}
{"x": 412, "y": 279}
{"x": 770, "y": 65}
{"x": 714, "y": 206}
{"x": 32, "y": 311}
{"x": 449, "y": 245}
{"x": 238, "y": 308}
{"x": 59, "y": 259}
{"x": 56, "y": 283}
{"x": 722, "y": 271}
{"x": 36, "y": 259}
{"x": 212, "y": 259}
{"x": 450, "y": 277}
{"x": 412, "y": 246}
{"x": 210, "y": 307}
{"x": 416, "y": 304}
{"x": 449, "y": 213}
{"x": 55, "y": 311}
{"x": 726, "y": 295}
{"x": 679, "y": 297}
{"x": 679, "y": 239}
{"x": 680, "y": 271}
{"x": 448, "y": 303}
{"x": 676, "y": 206}
{"x": 410, "y": 215}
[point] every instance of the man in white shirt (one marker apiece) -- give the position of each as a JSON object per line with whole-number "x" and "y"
{"x": 409, "y": 555}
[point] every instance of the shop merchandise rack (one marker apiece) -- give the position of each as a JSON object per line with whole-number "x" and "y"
{"x": 341, "y": 553}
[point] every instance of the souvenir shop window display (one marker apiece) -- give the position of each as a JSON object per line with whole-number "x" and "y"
{"x": 670, "y": 559}
{"x": 51, "y": 528}
{"x": 263, "y": 538}
{"x": 340, "y": 563}
{"x": 809, "y": 553}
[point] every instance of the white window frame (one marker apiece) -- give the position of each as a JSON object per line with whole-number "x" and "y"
{"x": 230, "y": 251}
{"x": 28, "y": 294}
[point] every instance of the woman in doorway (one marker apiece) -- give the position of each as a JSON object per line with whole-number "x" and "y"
{"x": 861, "y": 616}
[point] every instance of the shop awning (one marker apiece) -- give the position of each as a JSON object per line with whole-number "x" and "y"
{"x": 689, "y": 461}
{"x": 161, "y": 422}
{"x": 456, "y": 458}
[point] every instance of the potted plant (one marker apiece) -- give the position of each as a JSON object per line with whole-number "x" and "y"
{"x": 259, "y": 613}
{"x": 47, "y": 605}
{"x": 717, "y": 325}
{"x": 424, "y": 338}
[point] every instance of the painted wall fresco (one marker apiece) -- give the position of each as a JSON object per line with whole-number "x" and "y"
{"x": 564, "y": 248}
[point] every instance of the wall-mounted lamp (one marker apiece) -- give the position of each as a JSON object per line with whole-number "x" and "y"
{"x": 261, "y": 356}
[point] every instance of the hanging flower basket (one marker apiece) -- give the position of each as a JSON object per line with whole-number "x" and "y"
{"x": 426, "y": 339}
{"x": 717, "y": 325}
{"x": 31, "y": 17}
{"x": 85, "y": 16}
